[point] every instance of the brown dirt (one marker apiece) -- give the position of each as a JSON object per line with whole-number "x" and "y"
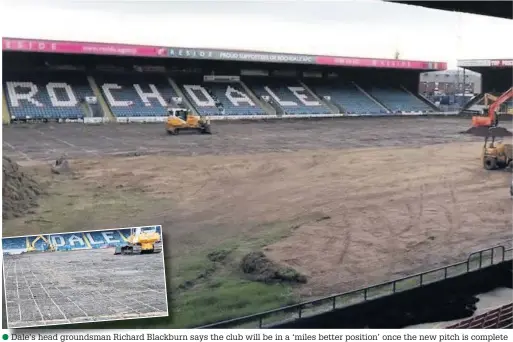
{"x": 388, "y": 212}
{"x": 260, "y": 268}
{"x": 20, "y": 191}
{"x": 484, "y": 131}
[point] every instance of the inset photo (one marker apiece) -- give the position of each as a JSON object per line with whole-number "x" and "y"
{"x": 83, "y": 277}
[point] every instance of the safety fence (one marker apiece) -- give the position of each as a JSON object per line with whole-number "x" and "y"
{"x": 475, "y": 261}
{"x": 498, "y": 318}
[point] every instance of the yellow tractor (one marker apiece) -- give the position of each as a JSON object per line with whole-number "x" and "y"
{"x": 47, "y": 246}
{"x": 180, "y": 119}
{"x": 141, "y": 240}
{"x": 496, "y": 155}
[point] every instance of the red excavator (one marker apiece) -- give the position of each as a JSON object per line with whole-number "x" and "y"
{"x": 492, "y": 119}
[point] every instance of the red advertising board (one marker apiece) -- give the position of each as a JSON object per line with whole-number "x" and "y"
{"x": 35, "y": 45}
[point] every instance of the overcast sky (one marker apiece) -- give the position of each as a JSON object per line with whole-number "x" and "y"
{"x": 359, "y": 28}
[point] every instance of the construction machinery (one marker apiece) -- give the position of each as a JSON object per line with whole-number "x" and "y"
{"x": 141, "y": 240}
{"x": 47, "y": 246}
{"x": 181, "y": 119}
{"x": 492, "y": 117}
{"x": 496, "y": 154}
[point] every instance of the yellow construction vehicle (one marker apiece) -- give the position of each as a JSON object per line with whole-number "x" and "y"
{"x": 47, "y": 246}
{"x": 141, "y": 240}
{"x": 496, "y": 155}
{"x": 180, "y": 119}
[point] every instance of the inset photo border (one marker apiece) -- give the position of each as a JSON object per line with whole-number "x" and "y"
{"x": 84, "y": 277}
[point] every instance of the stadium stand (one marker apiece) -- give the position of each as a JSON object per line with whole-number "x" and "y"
{"x": 46, "y": 95}
{"x": 59, "y": 94}
{"x": 69, "y": 241}
{"x": 136, "y": 94}
{"x": 499, "y": 318}
{"x": 220, "y": 98}
{"x": 399, "y": 101}
{"x": 14, "y": 243}
{"x": 348, "y": 98}
{"x": 288, "y": 95}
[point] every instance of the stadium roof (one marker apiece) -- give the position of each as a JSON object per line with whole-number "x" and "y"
{"x": 480, "y": 65}
{"x": 499, "y": 9}
{"x": 89, "y": 48}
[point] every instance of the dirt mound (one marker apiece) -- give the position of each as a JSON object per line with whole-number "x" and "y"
{"x": 483, "y": 131}
{"x": 20, "y": 192}
{"x": 260, "y": 268}
{"x": 61, "y": 165}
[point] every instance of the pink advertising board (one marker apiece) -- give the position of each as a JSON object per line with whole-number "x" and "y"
{"x": 51, "y": 46}
{"x": 380, "y": 63}
{"x": 36, "y": 45}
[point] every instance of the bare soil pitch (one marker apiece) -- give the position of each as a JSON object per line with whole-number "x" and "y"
{"x": 82, "y": 286}
{"x": 346, "y": 203}
{"x": 50, "y": 141}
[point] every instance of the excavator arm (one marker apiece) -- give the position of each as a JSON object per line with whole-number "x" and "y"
{"x": 494, "y": 107}
{"x": 489, "y": 98}
{"x": 491, "y": 119}
{"x": 40, "y": 237}
{"x": 33, "y": 244}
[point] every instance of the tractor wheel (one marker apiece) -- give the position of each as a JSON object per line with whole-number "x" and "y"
{"x": 206, "y": 130}
{"x": 173, "y": 131}
{"x": 490, "y": 163}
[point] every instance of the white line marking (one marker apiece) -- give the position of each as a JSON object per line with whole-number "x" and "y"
{"x": 10, "y": 146}
{"x": 60, "y": 140}
{"x": 48, "y": 294}
{"x": 23, "y": 154}
{"x": 147, "y": 151}
{"x": 52, "y": 281}
{"x": 33, "y": 298}
{"x": 17, "y": 288}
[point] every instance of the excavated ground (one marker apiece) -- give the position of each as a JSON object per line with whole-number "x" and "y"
{"x": 346, "y": 203}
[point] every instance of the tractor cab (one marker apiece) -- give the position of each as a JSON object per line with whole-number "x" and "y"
{"x": 143, "y": 235}
{"x": 180, "y": 113}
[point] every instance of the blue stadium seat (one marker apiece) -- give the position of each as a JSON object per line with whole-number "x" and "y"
{"x": 398, "y": 100}
{"x": 219, "y": 98}
{"x": 349, "y": 98}
{"x": 45, "y": 95}
{"x": 73, "y": 240}
{"x": 135, "y": 94}
{"x": 102, "y": 238}
{"x": 287, "y": 95}
{"x": 14, "y": 243}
